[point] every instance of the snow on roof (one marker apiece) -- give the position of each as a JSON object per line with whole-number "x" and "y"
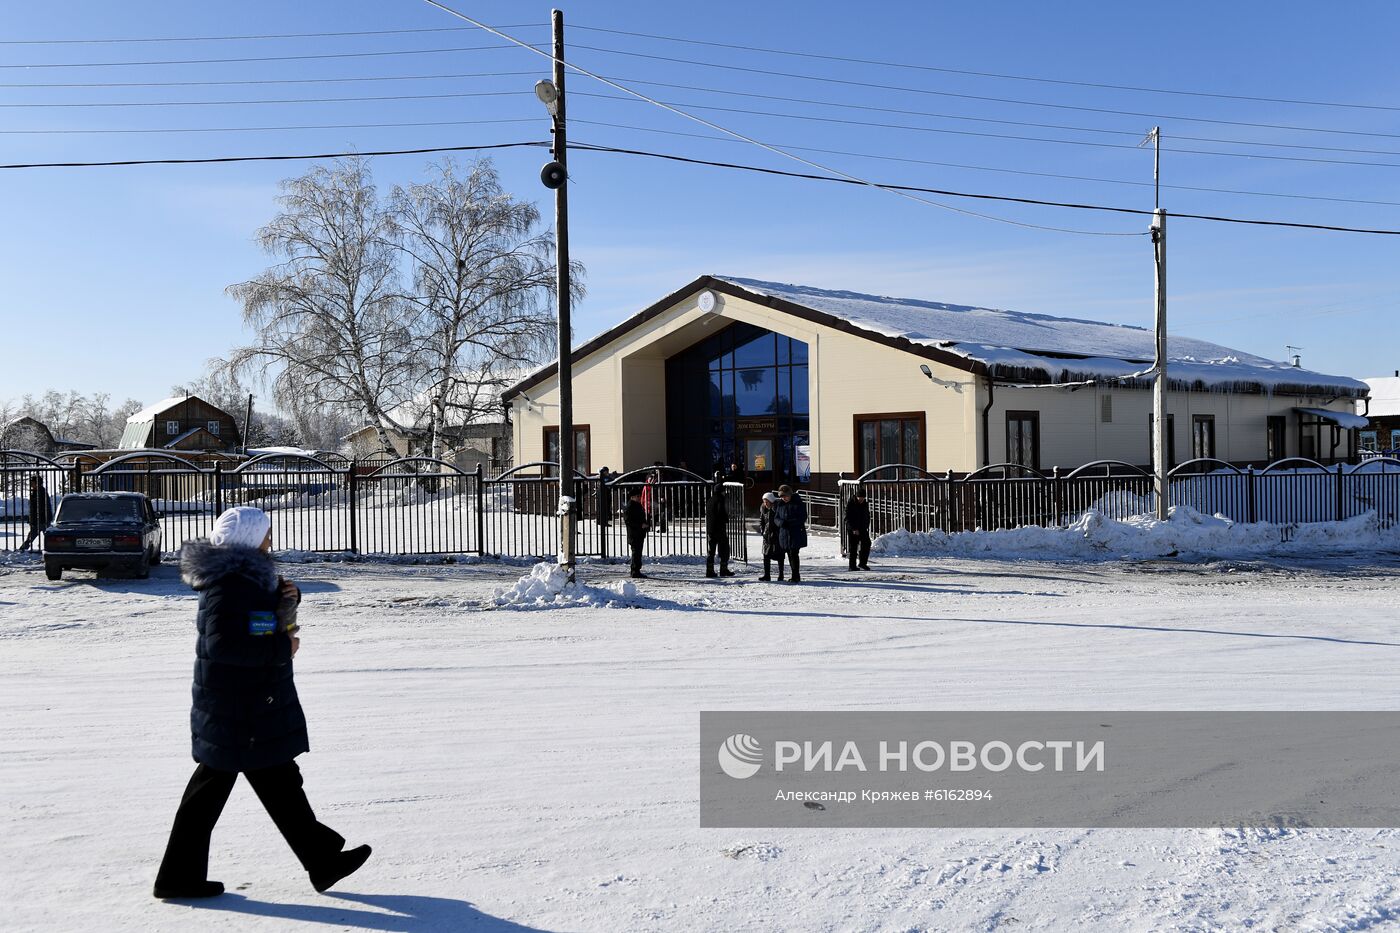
{"x": 1020, "y": 345}
{"x": 1385, "y": 396}
{"x": 150, "y": 411}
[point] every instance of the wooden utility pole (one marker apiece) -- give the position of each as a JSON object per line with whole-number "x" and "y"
{"x": 568, "y": 506}
{"x": 1159, "y": 366}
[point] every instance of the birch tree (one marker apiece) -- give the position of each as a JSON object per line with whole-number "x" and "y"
{"x": 331, "y": 323}
{"x": 483, "y": 284}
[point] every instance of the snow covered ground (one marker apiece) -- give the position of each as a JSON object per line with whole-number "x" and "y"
{"x": 518, "y": 769}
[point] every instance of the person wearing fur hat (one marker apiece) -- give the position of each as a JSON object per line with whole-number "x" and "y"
{"x": 246, "y": 718}
{"x": 768, "y": 533}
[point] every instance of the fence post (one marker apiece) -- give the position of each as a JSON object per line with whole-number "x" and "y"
{"x": 603, "y": 503}
{"x": 1057, "y": 494}
{"x": 352, "y": 487}
{"x": 1340, "y": 488}
{"x": 841, "y": 511}
{"x": 218, "y": 489}
{"x": 480, "y": 516}
{"x": 1251, "y": 511}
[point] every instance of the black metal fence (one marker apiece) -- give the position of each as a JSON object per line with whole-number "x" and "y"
{"x": 414, "y": 505}
{"x": 1008, "y": 495}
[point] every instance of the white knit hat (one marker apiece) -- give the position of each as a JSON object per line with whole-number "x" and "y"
{"x": 241, "y": 526}
{"x": 770, "y": 497}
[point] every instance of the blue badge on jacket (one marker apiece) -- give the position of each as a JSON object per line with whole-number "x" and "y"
{"x": 262, "y": 622}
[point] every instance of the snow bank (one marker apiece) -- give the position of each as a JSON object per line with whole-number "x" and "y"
{"x": 1186, "y": 533}
{"x": 547, "y": 586}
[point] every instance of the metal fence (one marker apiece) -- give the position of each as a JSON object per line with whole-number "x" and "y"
{"x": 413, "y": 505}
{"x": 1008, "y": 495}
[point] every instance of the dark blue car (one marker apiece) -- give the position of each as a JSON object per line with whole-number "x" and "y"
{"x": 103, "y": 531}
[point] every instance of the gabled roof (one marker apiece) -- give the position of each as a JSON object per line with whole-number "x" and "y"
{"x": 150, "y": 412}
{"x": 1007, "y": 345}
{"x": 1385, "y": 396}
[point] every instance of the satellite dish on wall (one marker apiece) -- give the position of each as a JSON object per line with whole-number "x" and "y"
{"x": 707, "y": 301}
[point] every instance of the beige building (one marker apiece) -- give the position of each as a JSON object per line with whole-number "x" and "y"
{"x": 804, "y": 384}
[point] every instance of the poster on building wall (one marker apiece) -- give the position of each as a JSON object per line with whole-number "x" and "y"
{"x": 804, "y": 463}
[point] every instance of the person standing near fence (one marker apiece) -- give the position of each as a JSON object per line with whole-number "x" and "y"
{"x": 858, "y": 530}
{"x": 790, "y": 515}
{"x": 604, "y": 498}
{"x": 768, "y": 532}
{"x": 246, "y": 718}
{"x": 717, "y": 531}
{"x": 654, "y": 501}
{"x": 40, "y": 511}
{"x": 634, "y": 516}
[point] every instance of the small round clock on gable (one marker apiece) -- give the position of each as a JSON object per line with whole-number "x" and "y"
{"x": 707, "y": 301}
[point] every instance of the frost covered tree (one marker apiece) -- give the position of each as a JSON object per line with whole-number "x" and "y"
{"x": 482, "y": 285}
{"x": 330, "y": 321}
{"x": 91, "y": 419}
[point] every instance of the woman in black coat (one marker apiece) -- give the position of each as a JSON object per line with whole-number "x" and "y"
{"x": 246, "y": 718}
{"x": 717, "y": 531}
{"x": 768, "y": 531}
{"x": 790, "y": 515}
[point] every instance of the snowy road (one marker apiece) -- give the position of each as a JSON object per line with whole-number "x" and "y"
{"x": 536, "y": 770}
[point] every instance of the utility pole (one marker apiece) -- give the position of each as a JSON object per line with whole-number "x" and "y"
{"x": 1159, "y": 366}
{"x": 556, "y": 175}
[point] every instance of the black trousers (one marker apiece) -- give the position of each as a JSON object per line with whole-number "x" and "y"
{"x": 636, "y": 548}
{"x": 30, "y": 538}
{"x": 768, "y": 559}
{"x": 279, "y": 789}
{"x": 795, "y": 564}
{"x": 858, "y": 547}
{"x": 718, "y": 544}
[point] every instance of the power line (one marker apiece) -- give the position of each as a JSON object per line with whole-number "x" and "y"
{"x": 273, "y": 158}
{"x": 265, "y": 58}
{"x": 986, "y": 197}
{"x": 773, "y": 149}
{"x": 279, "y": 35}
{"x": 292, "y": 100}
{"x": 259, "y": 81}
{"x": 1040, "y": 139}
{"x": 1006, "y": 171}
{"x": 978, "y": 97}
{"x": 591, "y": 147}
{"x": 260, "y": 129}
{"x": 995, "y": 74}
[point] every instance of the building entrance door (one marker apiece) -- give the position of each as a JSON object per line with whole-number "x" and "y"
{"x": 759, "y": 465}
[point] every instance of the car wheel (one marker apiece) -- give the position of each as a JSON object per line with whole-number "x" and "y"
{"x": 53, "y": 571}
{"x": 141, "y": 568}
{"x": 155, "y": 556}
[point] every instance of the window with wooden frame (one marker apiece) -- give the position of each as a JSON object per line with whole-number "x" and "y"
{"x": 582, "y": 447}
{"x": 213, "y": 427}
{"x": 889, "y": 437}
{"x": 1202, "y": 436}
{"x": 1278, "y": 438}
{"x": 1023, "y": 438}
{"x": 172, "y": 428}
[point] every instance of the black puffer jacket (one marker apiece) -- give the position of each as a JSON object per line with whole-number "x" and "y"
{"x": 246, "y": 714}
{"x": 717, "y": 514}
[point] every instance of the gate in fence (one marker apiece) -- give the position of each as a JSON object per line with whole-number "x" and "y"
{"x": 413, "y": 505}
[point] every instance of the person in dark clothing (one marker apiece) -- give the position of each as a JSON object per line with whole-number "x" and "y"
{"x": 736, "y": 473}
{"x": 790, "y": 515}
{"x": 717, "y": 532}
{"x": 635, "y": 518}
{"x": 768, "y": 531}
{"x": 604, "y": 498}
{"x": 654, "y": 502}
{"x": 40, "y": 511}
{"x": 858, "y": 530}
{"x": 246, "y": 718}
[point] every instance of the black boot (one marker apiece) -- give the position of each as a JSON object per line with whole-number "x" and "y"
{"x": 342, "y": 865}
{"x": 188, "y": 890}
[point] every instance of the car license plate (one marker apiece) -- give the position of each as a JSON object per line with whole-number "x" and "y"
{"x": 95, "y": 542}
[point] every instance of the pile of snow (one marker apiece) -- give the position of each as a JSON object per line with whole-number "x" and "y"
{"x": 547, "y": 586}
{"x": 1186, "y": 533}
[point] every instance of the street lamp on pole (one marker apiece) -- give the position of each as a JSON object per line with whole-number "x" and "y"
{"x": 555, "y": 176}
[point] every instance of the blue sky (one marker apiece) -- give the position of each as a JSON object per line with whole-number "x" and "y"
{"x": 113, "y": 279}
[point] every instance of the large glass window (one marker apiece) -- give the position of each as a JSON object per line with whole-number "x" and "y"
{"x": 1278, "y": 438}
{"x": 738, "y": 397}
